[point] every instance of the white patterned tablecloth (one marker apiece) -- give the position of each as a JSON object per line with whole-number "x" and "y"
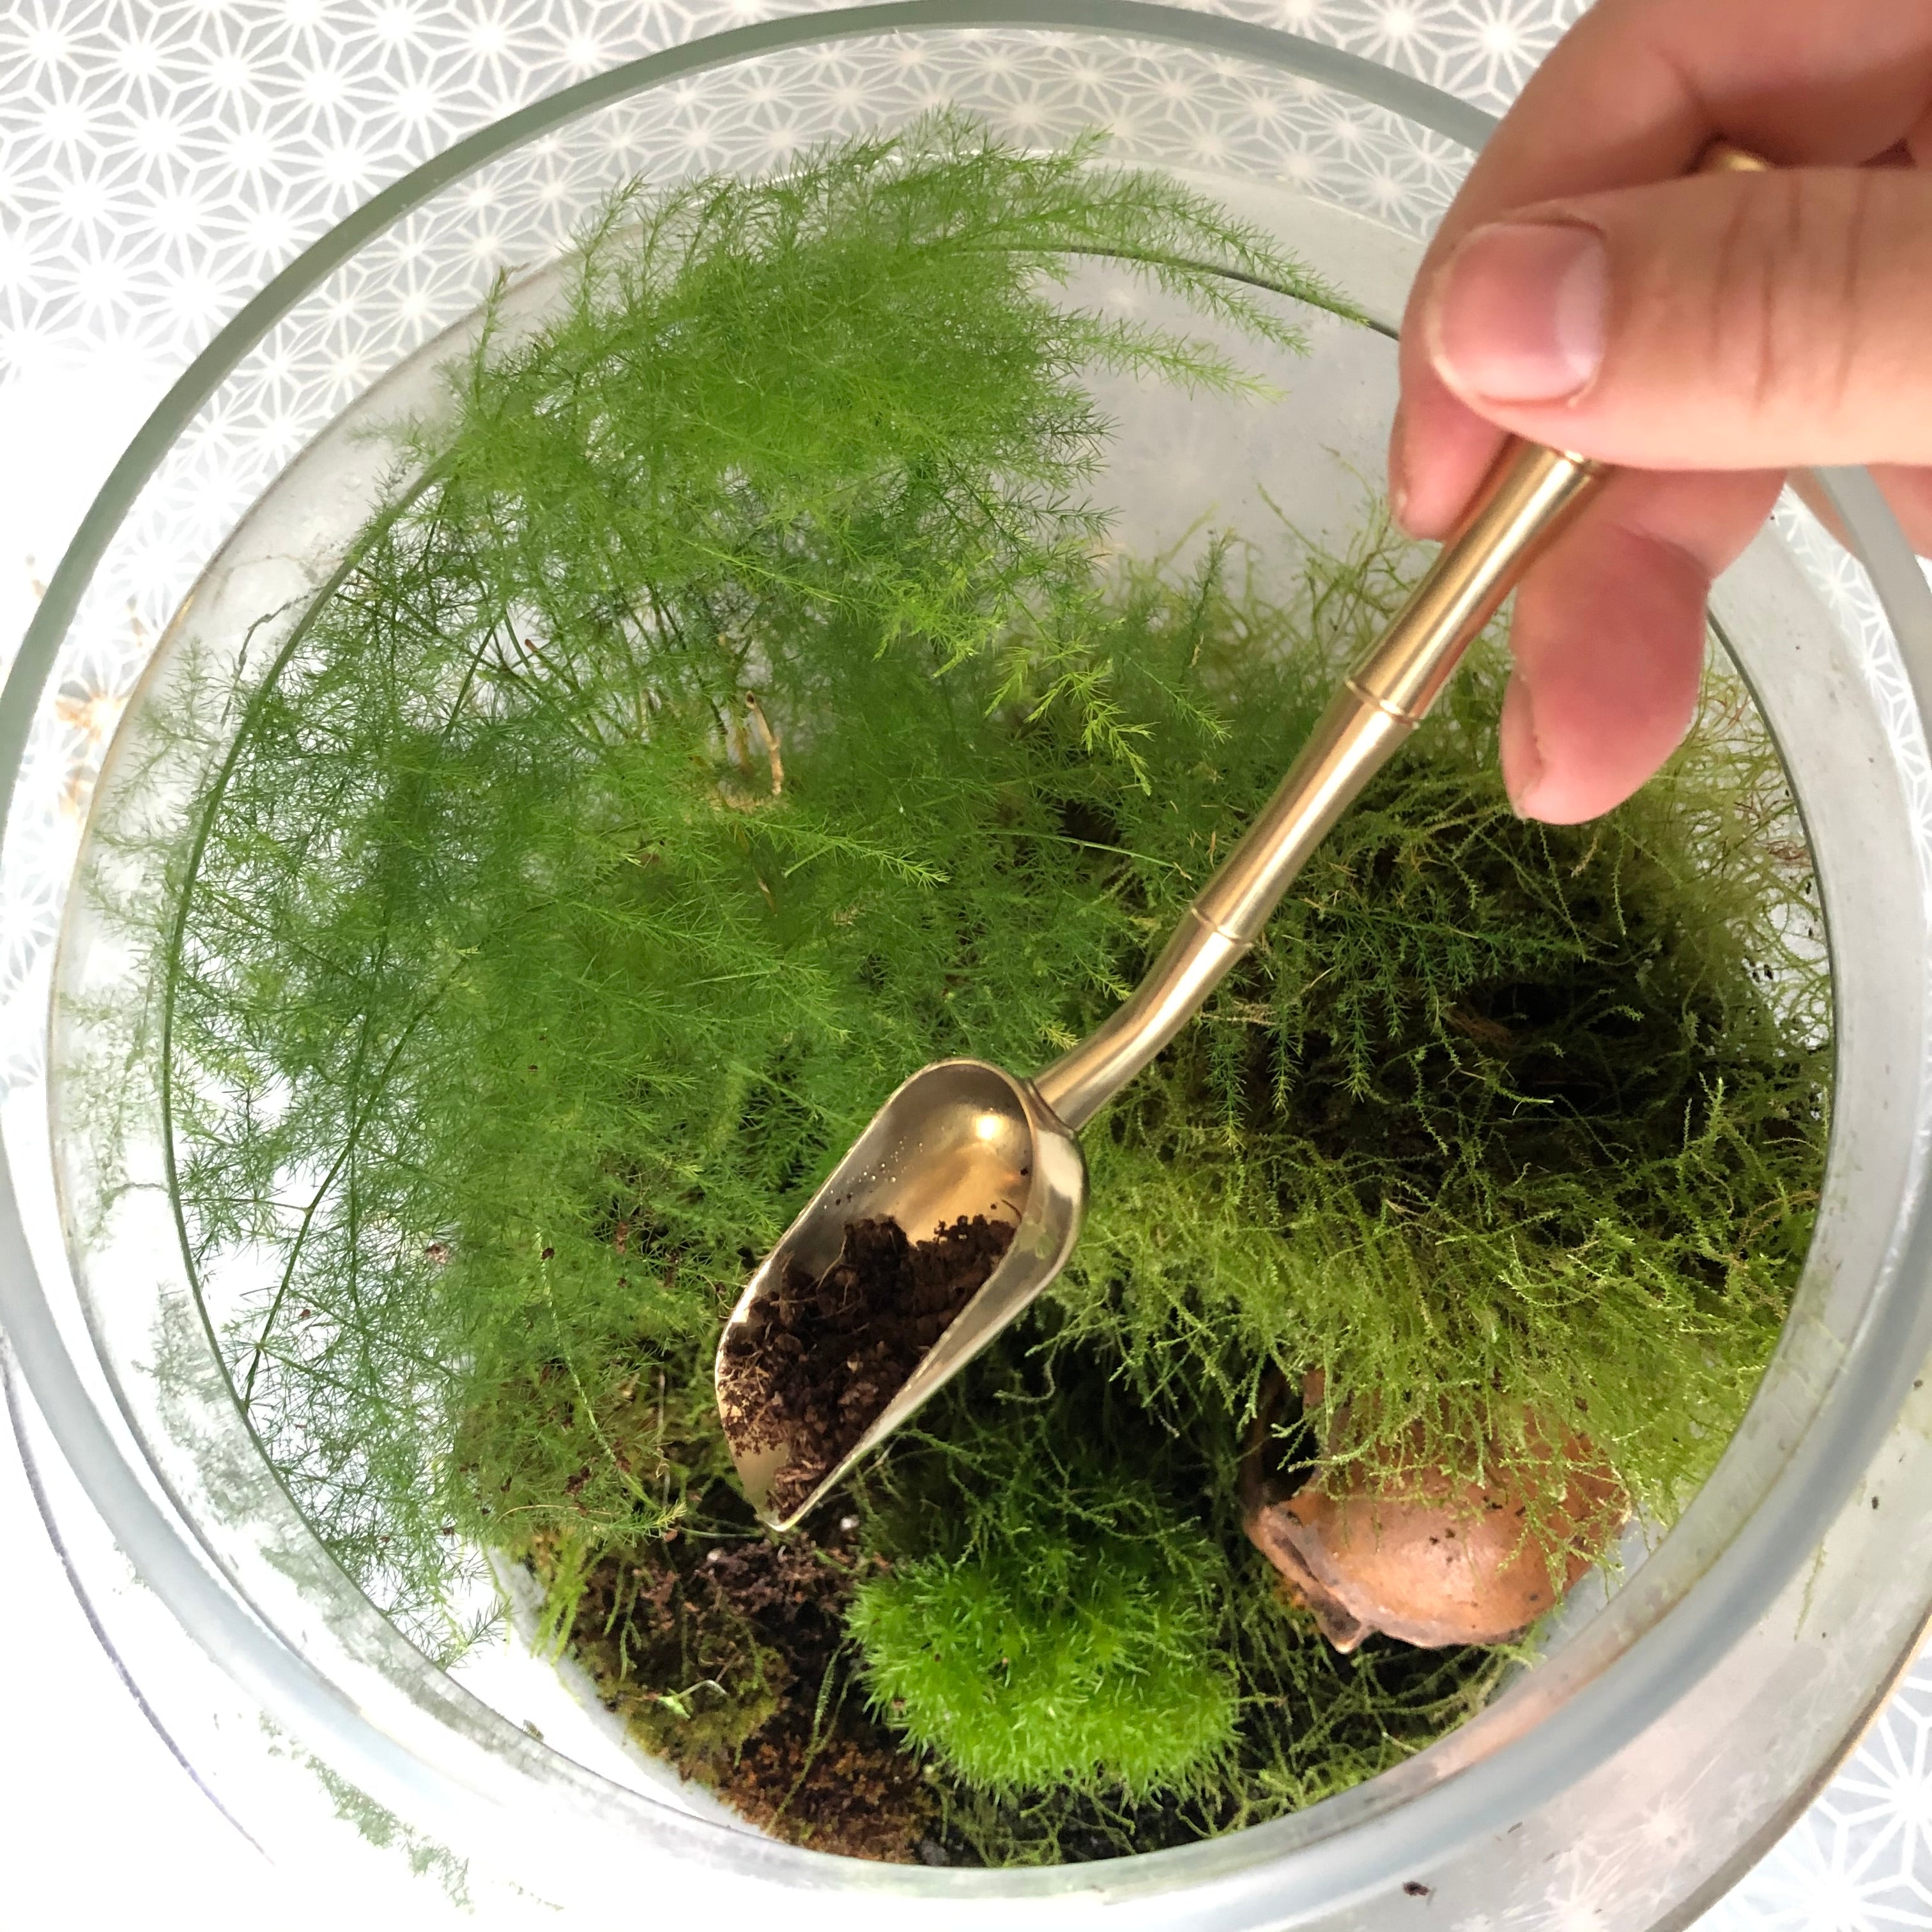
{"x": 160, "y": 160}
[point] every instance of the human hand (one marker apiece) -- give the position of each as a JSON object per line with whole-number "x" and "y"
{"x": 1716, "y": 328}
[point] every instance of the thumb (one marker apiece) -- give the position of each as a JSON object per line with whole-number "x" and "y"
{"x": 1724, "y": 322}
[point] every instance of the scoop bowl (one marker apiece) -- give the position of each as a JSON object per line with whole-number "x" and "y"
{"x": 959, "y": 1138}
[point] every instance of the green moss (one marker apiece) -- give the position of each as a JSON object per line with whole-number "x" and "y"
{"x": 1070, "y": 1659}
{"x": 1067, "y": 1638}
{"x": 730, "y": 711}
{"x": 1501, "y": 1120}
{"x": 1043, "y": 1488}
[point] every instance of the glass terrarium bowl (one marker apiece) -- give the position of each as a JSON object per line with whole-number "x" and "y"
{"x": 1674, "y": 1724}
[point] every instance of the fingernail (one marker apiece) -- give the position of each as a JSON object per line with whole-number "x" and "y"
{"x": 1517, "y": 316}
{"x": 1516, "y": 746}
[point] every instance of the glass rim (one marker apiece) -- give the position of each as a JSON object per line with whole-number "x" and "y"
{"x": 1370, "y": 1837}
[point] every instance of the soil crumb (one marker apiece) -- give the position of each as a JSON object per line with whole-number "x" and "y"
{"x": 815, "y": 1364}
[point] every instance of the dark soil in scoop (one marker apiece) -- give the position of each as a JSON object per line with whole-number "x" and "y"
{"x": 815, "y": 1364}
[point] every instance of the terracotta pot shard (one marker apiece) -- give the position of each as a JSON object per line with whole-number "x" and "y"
{"x": 1445, "y": 1561}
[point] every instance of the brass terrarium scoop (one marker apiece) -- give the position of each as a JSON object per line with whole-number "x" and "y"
{"x": 963, "y": 1139}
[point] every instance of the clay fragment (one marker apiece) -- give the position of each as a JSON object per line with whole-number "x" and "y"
{"x": 1447, "y": 1561}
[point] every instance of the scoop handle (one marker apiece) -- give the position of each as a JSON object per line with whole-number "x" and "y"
{"x": 1530, "y": 495}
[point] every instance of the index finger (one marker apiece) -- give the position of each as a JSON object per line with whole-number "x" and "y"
{"x": 1632, "y": 95}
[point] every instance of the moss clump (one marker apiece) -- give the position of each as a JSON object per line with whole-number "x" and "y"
{"x": 728, "y": 712}
{"x": 1073, "y": 1656}
{"x": 1062, "y": 1634}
